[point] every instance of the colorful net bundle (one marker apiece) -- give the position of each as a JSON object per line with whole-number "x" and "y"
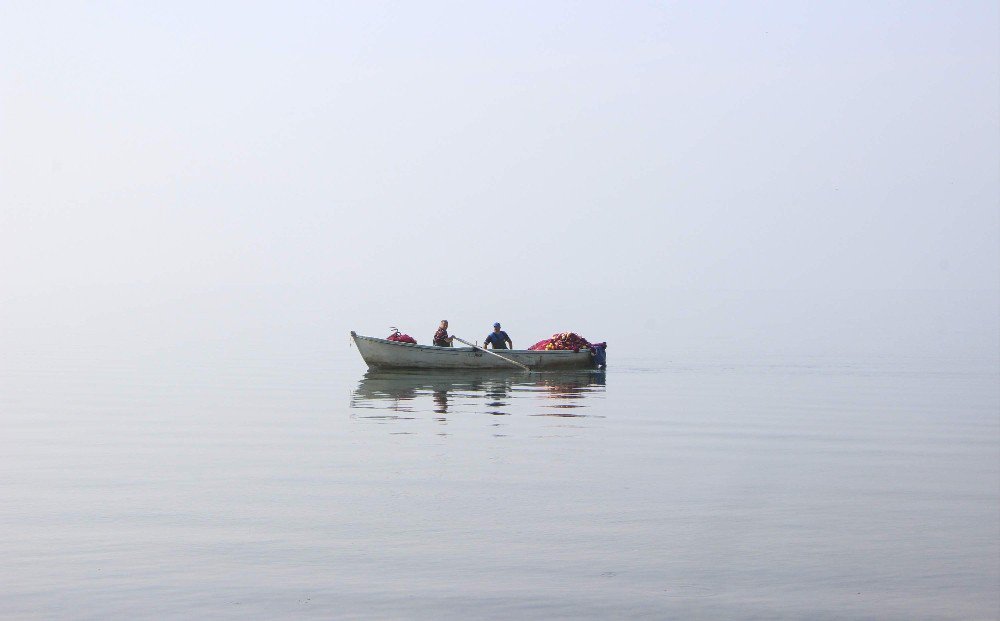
{"x": 562, "y": 340}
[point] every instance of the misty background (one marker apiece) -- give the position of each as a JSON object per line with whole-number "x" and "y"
{"x": 733, "y": 179}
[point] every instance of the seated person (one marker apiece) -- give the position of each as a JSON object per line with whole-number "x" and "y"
{"x": 441, "y": 338}
{"x": 498, "y": 338}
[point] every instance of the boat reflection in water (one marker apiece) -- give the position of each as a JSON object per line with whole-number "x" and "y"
{"x": 410, "y": 395}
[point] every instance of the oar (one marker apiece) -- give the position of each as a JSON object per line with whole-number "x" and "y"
{"x": 491, "y": 353}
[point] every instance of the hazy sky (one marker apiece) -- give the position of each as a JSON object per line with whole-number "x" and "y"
{"x": 452, "y": 149}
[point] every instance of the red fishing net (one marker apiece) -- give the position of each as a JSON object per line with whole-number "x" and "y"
{"x": 562, "y": 340}
{"x": 399, "y": 337}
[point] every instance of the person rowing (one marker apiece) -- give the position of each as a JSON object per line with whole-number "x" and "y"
{"x": 498, "y": 338}
{"x": 441, "y": 338}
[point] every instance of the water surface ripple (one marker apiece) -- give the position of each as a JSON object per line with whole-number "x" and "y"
{"x": 303, "y": 487}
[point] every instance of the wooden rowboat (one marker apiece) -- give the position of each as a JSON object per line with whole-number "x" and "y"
{"x": 382, "y": 354}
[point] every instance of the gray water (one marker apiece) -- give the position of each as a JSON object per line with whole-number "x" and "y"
{"x": 296, "y": 485}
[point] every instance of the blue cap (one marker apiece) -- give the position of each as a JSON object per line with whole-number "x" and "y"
{"x": 496, "y": 325}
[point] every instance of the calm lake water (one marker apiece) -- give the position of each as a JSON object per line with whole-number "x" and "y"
{"x": 299, "y": 486}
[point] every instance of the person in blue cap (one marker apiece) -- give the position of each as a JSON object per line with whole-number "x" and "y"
{"x": 498, "y": 338}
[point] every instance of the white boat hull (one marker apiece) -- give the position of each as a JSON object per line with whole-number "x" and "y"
{"x": 382, "y": 354}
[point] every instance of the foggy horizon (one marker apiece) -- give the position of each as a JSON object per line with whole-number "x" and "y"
{"x": 788, "y": 173}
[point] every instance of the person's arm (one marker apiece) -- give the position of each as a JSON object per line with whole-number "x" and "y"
{"x": 486, "y": 341}
{"x": 510, "y": 343}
